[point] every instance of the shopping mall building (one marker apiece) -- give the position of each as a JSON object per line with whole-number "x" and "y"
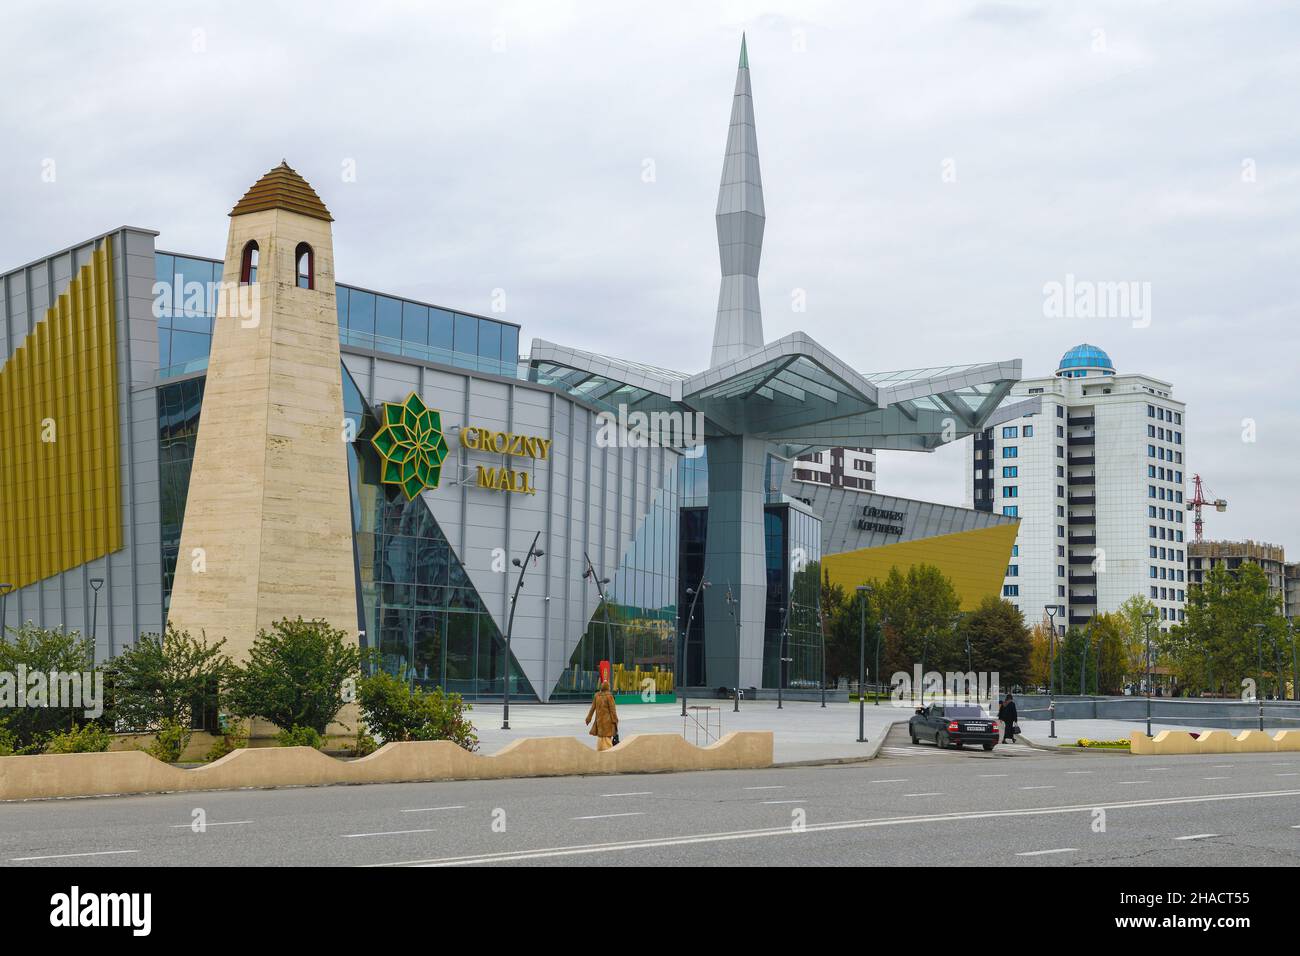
{"x": 217, "y": 443}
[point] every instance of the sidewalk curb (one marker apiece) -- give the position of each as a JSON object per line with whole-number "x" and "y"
{"x": 1053, "y": 748}
{"x": 873, "y": 752}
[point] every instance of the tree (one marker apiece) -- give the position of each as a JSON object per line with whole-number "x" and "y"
{"x": 843, "y": 615}
{"x": 1232, "y": 622}
{"x": 295, "y": 674}
{"x": 395, "y": 712}
{"x": 1107, "y": 650}
{"x": 1134, "y": 635}
{"x": 31, "y": 651}
{"x": 999, "y": 640}
{"x": 1040, "y": 637}
{"x": 166, "y": 678}
{"x": 920, "y": 610}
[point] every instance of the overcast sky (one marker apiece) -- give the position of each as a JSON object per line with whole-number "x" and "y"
{"x": 927, "y": 169}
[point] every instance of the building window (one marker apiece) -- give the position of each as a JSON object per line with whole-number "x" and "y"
{"x": 248, "y": 264}
{"x": 1029, "y": 431}
{"x": 1011, "y": 590}
{"x": 1010, "y": 431}
{"x": 1010, "y": 491}
{"x": 306, "y": 266}
{"x": 1011, "y": 511}
{"x": 1010, "y": 451}
{"x": 1010, "y": 471}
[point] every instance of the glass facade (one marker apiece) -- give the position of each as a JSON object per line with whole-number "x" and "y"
{"x": 185, "y": 303}
{"x": 639, "y": 633}
{"x": 178, "y": 429}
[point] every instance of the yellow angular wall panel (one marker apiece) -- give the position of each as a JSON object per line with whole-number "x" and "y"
{"x": 60, "y": 496}
{"x": 976, "y": 561}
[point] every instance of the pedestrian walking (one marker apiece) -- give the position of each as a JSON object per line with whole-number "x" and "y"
{"x": 605, "y": 725}
{"x": 1007, "y": 714}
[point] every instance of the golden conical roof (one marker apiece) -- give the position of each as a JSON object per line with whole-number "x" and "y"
{"x": 282, "y": 188}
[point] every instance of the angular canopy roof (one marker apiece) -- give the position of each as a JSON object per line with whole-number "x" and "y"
{"x": 282, "y": 188}
{"x": 798, "y": 395}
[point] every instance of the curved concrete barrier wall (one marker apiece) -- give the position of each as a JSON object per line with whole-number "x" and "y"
{"x": 1169, "y": 742}
{"x": 83, "y": 775}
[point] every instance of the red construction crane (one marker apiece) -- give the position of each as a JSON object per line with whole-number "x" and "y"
{"x": 1198, "y": 499}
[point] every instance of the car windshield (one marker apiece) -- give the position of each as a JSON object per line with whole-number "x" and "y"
{"x": 963, "y": 712}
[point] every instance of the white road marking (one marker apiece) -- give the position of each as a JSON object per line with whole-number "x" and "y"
{"x": 64, "y": 856}
{"x": 630, "y": 793}
{"x": 1287, "y": 775}
{"x": 1221, "y": 766}
{"x": 891, "y": 780}
{"x": 431, "y": 809}
{"x": 785, "y": 831}
{"x": 933, "y": 793}
{"x": 606, "y": 816}
{"x": 1197, "y": 836}
{"x": 1077, "y": 771}
{"x": 190, "y": 826}
{"x": 1048, "y": 787}
{"x": 781, "y": 787}
{"x": 1216, "y": 778}
{"x": 351, "y": 836}
{"x": 800, "y": 800}
{"x": 995, "y": 775}
{"x": 1132, "y": 781}
{"x": 1064, "y": 849}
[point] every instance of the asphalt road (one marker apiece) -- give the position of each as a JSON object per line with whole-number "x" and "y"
{"x": 1012, "y": 807}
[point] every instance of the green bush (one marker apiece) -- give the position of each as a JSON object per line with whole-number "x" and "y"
{"x": 396, "y": 712}
{"x": 39, "y": 649}
{"x": 171, "y": 677}
{"x": 234, "y": 737}
{"x": 86, "y": 739}
{"x": 295, "y": 674}
{"x": 6, "y": 743}
{"x": 172, "y": 739}
{"x": 364, "y": 744}
{"x": 300, "y": 736}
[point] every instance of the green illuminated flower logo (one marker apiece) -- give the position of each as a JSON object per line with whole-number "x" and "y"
{"x": 410, "y": 445}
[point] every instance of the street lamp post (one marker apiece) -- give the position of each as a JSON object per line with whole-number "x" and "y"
{"x": 733, "y": 609}
{"x": 1295, "y": 663}
{"x": 1051, "y": 667}
{"x": 1083, "y": 672}
{"x": 4, "y": 593}
{"x": 925, "y": 650}
{"x": 880, "y": 633}
{"x": 1259, "y": 671}
{"x": 533, "y": 552}
{"x": 695, "y": 593}
{"x": 865, "y": 590}
{"x": 604, "y": 603}
{"x": 95, "y": 585}
{"x": 1148, "y": 616}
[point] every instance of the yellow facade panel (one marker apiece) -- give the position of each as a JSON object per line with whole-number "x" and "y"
{"x": 60, "y": 493}
{"x": 976, "y": 561}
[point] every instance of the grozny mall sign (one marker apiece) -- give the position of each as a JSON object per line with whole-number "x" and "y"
{"x": 508, "y": 445}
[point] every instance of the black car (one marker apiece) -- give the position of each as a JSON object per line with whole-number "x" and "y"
{"x": 954, "y": 726}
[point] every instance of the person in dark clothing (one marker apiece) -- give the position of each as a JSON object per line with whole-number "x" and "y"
{"x": 1007, "y": 714}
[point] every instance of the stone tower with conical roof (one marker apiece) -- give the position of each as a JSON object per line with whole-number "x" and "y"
{"x": 267, "y": 530}
{"x": 738, "y": 329}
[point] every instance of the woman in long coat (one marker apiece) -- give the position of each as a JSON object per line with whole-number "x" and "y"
{"x": 605, "y": 725}
{"x": 1007, "y": 714}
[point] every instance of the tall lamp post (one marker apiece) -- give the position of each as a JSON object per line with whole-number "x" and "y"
{"x": 880, "y": 634}
{"x": 533, "y": 552}
{"x": 1148, "y": 617}
{"x": 1083, "y": 672}
{"x": 1295, "y": 662}
{"x": 604, "y": 603}
{"x": 1051, "y": 667}
{"x": 1259, "y": 670}
{"x": 4, "y": 593}
{"x": 695, "y": 593}
{"x": 733, "y": 606}
{"x": 865, "y": 590}
{"x": 95, "y": 585}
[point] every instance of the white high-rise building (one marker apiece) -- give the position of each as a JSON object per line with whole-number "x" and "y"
{"x": 1097, "y": 479}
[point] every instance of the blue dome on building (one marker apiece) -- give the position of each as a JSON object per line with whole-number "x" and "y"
{"x": 1085, "y": 358}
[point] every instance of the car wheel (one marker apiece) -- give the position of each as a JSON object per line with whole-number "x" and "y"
{"x": 988, "y": 746}
{"x": 938, "y": 742}
{"x": 915, "y": 739}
